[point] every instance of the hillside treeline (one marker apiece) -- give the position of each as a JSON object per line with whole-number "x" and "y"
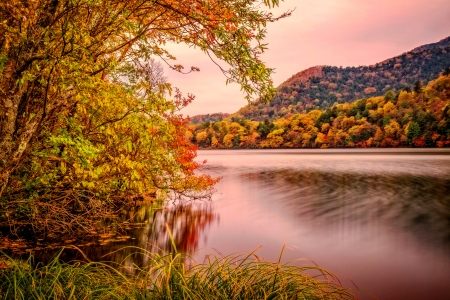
{"x": 324, "y": 86}
{"x": 408, "y": 118}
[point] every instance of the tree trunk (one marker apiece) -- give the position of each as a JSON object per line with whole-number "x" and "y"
{"x": 13, "y": 142}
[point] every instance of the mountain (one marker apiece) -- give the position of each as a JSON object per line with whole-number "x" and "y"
{"x": 321, "y": 87}
{"x": 442, "y": 43}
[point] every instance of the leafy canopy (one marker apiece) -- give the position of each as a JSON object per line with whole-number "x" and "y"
{"x": 84, "y": 124}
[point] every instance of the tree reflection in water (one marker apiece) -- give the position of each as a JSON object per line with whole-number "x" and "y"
{"x": 187, "y": 223}
{"x": 343, "y": 201}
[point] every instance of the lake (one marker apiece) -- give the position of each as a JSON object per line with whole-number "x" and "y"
{"x": 378, "y": 218}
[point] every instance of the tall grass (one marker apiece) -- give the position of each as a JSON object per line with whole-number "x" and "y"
{"x": 59, "y": 280}
{"x": 169, "y": 277}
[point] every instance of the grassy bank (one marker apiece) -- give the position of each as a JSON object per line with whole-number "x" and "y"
{"x": 168, "y": 277}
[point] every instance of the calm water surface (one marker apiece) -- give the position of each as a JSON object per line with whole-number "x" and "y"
{"x": 378, "y": 217}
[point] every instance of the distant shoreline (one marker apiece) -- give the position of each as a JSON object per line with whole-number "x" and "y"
{"x": 373, "y": 150}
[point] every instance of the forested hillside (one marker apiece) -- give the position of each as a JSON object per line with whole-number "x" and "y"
{"x": 410, "y": 118}
{"x": 321, "y": 87}
{"x": 208, "y": 117}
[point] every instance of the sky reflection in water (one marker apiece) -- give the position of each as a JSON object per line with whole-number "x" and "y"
{"x": 381, "y": 218}
{"x": 378, "y": 217}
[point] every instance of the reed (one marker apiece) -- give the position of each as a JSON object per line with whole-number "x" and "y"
{"x": 169, "y": 276}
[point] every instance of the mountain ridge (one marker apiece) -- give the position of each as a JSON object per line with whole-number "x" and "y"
{"x": 321, "y": 87}
{"x": 432, "y": 45}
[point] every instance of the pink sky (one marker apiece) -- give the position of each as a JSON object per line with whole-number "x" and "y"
{"x": 319, "y": 32}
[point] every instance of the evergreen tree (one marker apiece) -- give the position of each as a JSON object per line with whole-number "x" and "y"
{"x": 446, "y": 71}
{"x": 390, "y": 96}
{"x": 418, "y": 87}
{"x": 413, "y": 132}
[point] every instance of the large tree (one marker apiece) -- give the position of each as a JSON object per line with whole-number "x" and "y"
{"x": 80, "y": 115}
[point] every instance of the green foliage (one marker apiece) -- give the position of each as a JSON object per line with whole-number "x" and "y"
{"x": 263, "y": 129}
{"x": 413, "y": 132}
{"x": 390, "y": 96}
{"x": 237, "y": 141}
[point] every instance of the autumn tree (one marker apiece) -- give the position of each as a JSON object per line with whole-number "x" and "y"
{"x": 82, "y": 117}
{"x": 274, "y": 139}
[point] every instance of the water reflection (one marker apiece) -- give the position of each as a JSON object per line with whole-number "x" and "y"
{"x": 380, "y": 217}
{"x": 416, "y": 203}
{"x": 187, "y": 222}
